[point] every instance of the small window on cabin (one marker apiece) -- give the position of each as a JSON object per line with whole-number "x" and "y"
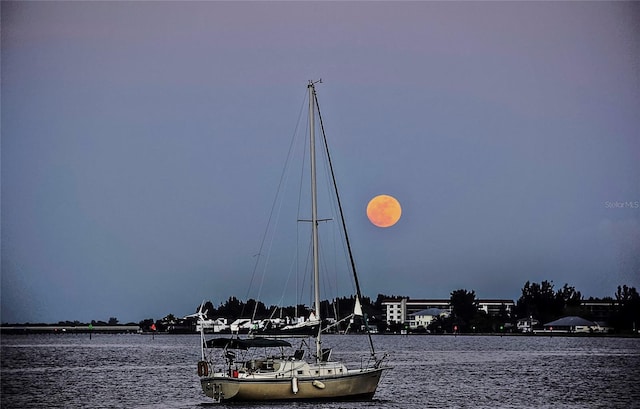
{"x": 299, "y": 372}
{"x": 329, "y": 371}
{"x": 317, "y": 372}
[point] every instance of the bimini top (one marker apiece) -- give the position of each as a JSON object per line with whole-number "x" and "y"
{"x": 237, "y": 343}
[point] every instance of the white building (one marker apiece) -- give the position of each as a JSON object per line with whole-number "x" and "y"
{"x": 399, "y": 310}
{"x": 495, "y": 307}
{"x": 425, "y": 317}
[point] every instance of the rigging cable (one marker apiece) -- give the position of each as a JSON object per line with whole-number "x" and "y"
{"x": 273, "y": 206}
{"x": 344, "y": 226}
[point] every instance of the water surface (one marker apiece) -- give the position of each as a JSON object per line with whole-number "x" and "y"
{"x": 140, "y": 371}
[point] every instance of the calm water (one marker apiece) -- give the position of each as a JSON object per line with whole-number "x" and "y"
{"x": 138, "y": 371}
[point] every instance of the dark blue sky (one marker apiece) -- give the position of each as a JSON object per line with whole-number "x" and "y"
{"x": 142, "y": 143}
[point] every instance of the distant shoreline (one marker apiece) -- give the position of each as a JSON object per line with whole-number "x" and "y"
{"x": 135, "y": 329}
{"x": 68, "y": 329}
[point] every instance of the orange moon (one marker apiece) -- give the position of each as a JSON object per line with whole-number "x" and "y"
{"x": 384, "y": 211}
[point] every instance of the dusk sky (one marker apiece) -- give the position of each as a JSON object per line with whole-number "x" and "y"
{"x": 143, "y": 143}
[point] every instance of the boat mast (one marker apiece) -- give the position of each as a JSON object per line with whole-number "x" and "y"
{"x": 314, "y": 215}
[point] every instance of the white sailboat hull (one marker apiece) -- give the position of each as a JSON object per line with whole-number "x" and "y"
{"x": 353, "y": 385}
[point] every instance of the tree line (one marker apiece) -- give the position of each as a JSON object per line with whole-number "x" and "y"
{"x": 545, "y": 304}
{"x": 541, "y": 302}
{"x": 233, "y": 308}
{"x": 538, "y": 300}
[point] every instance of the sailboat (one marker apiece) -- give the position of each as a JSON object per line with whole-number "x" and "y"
{"x": 283, "y": 373}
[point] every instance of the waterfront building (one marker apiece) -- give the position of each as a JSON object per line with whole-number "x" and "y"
{"x": 572, "y": 325}
{"x": 400, "y": 310}
{"x": 424, "y": 317}
{"x": 598, "y": 310}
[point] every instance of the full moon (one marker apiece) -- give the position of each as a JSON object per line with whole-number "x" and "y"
{"x": 384, "y": 211}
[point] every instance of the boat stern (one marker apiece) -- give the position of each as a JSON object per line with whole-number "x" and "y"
{"x": 218, "y": 389}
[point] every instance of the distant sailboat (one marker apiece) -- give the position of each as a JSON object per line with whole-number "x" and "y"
{"x": 281, "y": 375}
